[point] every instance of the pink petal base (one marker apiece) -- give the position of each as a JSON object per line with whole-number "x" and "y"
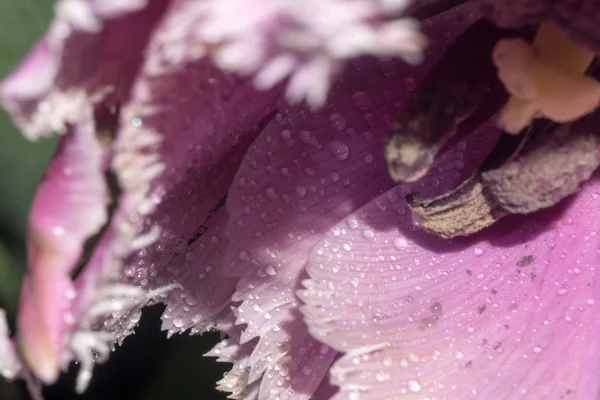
{"x": 509, "y": 314}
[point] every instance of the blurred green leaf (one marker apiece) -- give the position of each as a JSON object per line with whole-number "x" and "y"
{"x": 9, "y": 281}
{"x": 22, "y": 163}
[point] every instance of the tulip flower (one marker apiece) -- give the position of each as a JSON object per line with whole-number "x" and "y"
{"x": 370, "y": 199}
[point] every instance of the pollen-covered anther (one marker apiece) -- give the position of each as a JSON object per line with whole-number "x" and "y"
{"x": 544, "y": 79}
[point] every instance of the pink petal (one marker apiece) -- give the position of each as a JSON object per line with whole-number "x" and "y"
{"x": 68, "y": 207}
{"x": 91, "y": 49}
{"x": 177, "y": 139}
{"x": 509, "y": 314}
{"x": 302, "y": 175}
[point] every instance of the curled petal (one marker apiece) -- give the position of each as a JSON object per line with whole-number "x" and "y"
{"x": 68, "y": 208}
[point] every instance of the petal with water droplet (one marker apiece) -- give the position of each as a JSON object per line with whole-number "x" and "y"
{"x": 507, "y": 313}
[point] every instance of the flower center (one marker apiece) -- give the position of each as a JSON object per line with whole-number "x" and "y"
{"x": 528, "y": 170}
{"x": 545, "y": 79}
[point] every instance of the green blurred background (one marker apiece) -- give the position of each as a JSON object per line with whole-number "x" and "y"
{"x": 147, "y": 366}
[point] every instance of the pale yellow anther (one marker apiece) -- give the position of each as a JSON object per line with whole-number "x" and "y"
{"x": 545, "y": 79}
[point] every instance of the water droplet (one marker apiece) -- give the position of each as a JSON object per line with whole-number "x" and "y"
{"x": 339, "y": 150}
{"x": 352, "y": 222}
{"x": 338, "y": 122}
{"x": 286, "y": 134}
{"x": 368, "y": 233}
{"x": 347, "y": 246}
{"x": 367, "y": 158}
{"x": 414, "y": 386}
{"x": 537, "y": 349}
{"x": 136, "y": 122}
{"x": 478, "y": 251}
{"x": 270, "y": 270}
{"x": 300, "y": 190}
{"x": 178, "y": 322}
{"x": 400, "y": 243}
{"x": 562, "y": 290}
{"x": 361, "y": 100}
{"x": 271, "y": 193}
{"x": 135, "y": 317}
{"x": 382, "y": 376}
{"x": 436, "y": 308}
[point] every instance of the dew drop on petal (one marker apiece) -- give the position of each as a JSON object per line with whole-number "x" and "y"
{"x": 271, "y": 193}
{"x": 178, "y": 322}
{"x": 300, "y": 190}
{"x": 286, "y": 134}
{"x": 400, "y": 243}
{"x": 338, "y": 122}
{"x": 367, "y": 158}
{"x": 414, "y": 386}
{"x": 270, "y": 270}
{"x": 361, "y": 100}
{"x": 368, "y": 233}
{"x": 339, "y": 150}
{"x": 352, "y": 222}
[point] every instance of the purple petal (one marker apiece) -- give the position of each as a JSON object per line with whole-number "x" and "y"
{"x": 302, "y": 175}
{"x": 176, "y": 139}
{"x": 308, "y": 41}
{"x": 509, "y": 314}
{"x": 90, "y": 53}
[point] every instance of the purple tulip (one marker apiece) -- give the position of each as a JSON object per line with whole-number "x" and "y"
{"x": 371, "y": 199}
